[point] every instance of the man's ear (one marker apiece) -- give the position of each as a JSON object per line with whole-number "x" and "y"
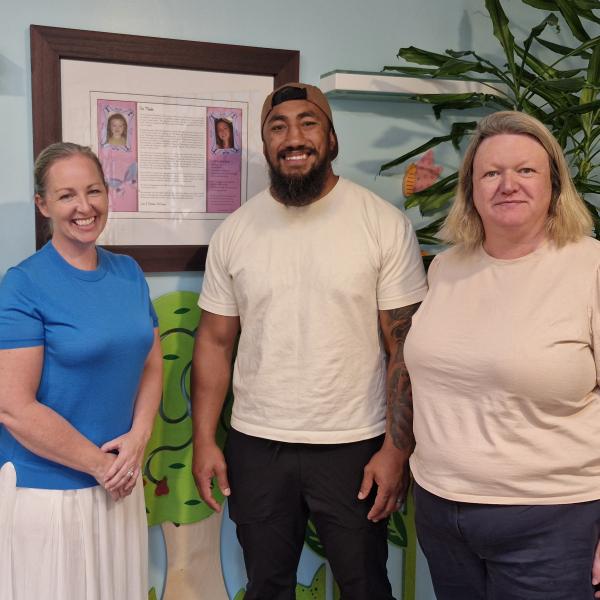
{"x": 333, "y": 144}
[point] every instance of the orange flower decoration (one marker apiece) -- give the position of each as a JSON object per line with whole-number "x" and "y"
{"x": 421, "y": 174}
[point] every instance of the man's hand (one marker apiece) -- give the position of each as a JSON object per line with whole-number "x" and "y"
{"x": 387, "y": 468}
{"x": 209, "y": 462}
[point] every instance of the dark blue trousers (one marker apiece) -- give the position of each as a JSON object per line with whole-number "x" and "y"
{"x": 514, "y": 552}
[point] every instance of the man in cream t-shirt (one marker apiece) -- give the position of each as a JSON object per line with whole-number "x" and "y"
{"x": 322, "y": 278}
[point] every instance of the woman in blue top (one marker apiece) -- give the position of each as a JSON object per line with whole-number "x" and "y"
{"x": 80, "y": 382}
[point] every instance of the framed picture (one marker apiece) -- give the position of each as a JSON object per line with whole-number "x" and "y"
{"x": 175, "y": 124}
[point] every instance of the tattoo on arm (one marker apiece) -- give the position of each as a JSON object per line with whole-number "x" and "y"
{"x": 396, "y": 323}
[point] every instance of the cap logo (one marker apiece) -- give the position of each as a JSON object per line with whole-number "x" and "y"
{"x": 288, "y": 93}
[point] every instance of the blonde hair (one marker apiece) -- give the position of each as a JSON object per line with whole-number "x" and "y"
{"x": 568, "y": 218}
{"x": 59, "y": 151}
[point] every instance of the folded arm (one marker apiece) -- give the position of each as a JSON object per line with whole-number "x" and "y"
{"x": 39, "y": 428}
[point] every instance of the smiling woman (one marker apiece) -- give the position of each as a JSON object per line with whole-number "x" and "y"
{"x": 80, "y": 382}
{"x": 508, "y": 337}
{"x": 74, "y": 197}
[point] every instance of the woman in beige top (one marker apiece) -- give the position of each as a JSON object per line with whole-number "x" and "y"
{"x": 504, "y": 372}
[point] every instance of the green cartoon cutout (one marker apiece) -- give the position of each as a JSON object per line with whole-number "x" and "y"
{"x": 169, "y": 487}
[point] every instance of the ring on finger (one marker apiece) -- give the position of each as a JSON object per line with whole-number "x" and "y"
{"x": 130, "y": 474}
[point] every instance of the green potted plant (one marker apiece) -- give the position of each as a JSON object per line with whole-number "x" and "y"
{"x": 561, "y": 92}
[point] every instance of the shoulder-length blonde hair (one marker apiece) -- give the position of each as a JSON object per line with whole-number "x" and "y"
{"x": 568, "y": 218}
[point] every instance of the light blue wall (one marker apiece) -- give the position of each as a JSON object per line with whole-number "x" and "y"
{"x": 330, "y": 34}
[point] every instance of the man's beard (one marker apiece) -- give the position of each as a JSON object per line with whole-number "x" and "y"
{"x": 299, "y": 190}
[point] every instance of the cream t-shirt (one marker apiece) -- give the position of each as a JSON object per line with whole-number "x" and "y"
{"x": 307, "y": 283}
{"x": 505, "y": 377}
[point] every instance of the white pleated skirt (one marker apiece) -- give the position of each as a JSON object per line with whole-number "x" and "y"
{"x": 71, "y": 544}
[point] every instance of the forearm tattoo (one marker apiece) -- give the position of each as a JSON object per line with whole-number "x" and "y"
{"x": 395, "y": 324}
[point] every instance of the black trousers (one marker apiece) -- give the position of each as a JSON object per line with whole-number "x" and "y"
{"x": 508, "y": 552}
{"x": 276, "y": 486}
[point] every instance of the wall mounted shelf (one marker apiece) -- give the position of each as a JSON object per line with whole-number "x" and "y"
{"x": 386, "y": 86}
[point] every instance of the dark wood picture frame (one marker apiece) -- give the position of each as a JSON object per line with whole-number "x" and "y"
{"x": 51, "y": 44}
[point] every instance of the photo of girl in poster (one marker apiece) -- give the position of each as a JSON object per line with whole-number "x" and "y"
{"x": 117, "y": 150}
{"x": 116, "y": 130}
{"x": 223, "y": 133}
{"x": 223, "y": 159}
{"x": 224, "y": 130}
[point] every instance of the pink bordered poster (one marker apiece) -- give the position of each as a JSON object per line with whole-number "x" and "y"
{"x": 173, "y": 175}
{"x": 176, "y": 163}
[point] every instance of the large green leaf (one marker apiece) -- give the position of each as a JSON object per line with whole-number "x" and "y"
{"x": 447, "y": 66}
{"x": 419, "y": 71}
{"x": 575, "y": 110}
{"x": 575, "y": 84}
{"x": 476, "y": 101}
{"x": 428, "y": 234}
{"x": 502, "y": 32}
{"x": 434, "y": 203}
{"x": 422, "y": 57}
{"x": 457, "y": 132}
{"x": 439, "y": 187}
{"x": 587, "y": 4}
{"x": 542, "y": 4}
{"x": 550, "y": 20}
{"x": 595, "y": 134}
{"x": 454, "y": 67}
{"x": 490, "y": 66}
{"x": 569, "y": 12}
{"x": 595, "y": 217}
{"x": 553, "y": 98}
{"x": 543, "y": 70}
{"x": 532, "y": 109}
{"x": 432, "y": 143}
{"x": 590, "y": 91}
{"x": 441, "y": 102}
{"x": 564, "y": 50}
{"x": 586, "y": 187}
{"x": 396, "y": 533}
{"x": 583, "y": 8}
{"x": 591, "y": 43}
